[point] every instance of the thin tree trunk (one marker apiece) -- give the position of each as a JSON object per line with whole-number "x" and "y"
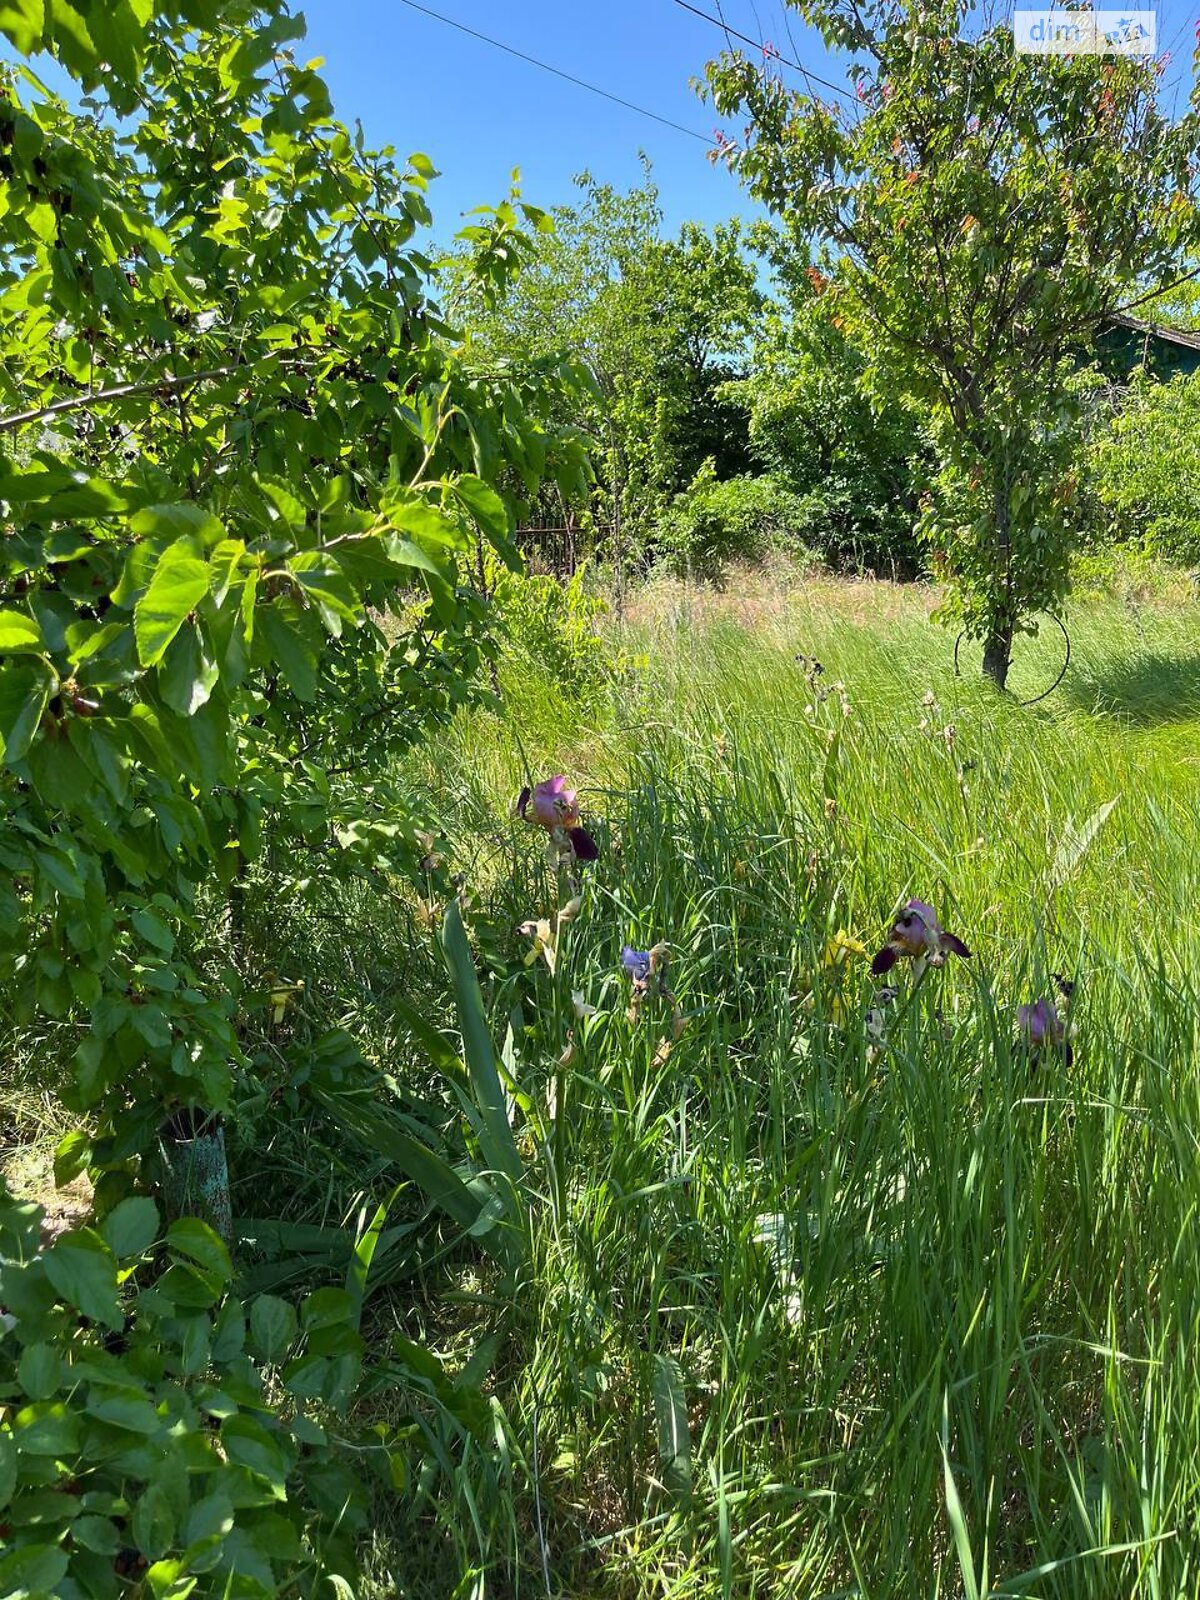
{"x": 997, "y": 652}
{"x": 997, "y": 648}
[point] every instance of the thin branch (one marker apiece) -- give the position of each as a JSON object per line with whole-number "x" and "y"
{"x": 121, "y": 391}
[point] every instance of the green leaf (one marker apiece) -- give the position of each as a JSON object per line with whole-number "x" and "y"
{"x": 670, "y": 1410}
{"x": 485, "y": 505}
{"x": 8, "y": 1467}
{"x": 34, "y": 1570}
{"x": 23, "y": 21}
{"x": 131, "y": 1227}
{"x": 71, "y": 1157}
{"x": 178, "y": 584}
{"x": 153, "y": 1522}
{"x": 249, "y": 1445}
{"x": 47, "y": 1428}
{"x": 195, "y": 1239}
{"x": 153, "y": 930}
{"x": 188, "y": 673}
{"x": 272, "y": 1327}
{"x": 499, "y": 1146}
{"x": 282, "y": 642}
{"x": 324, "y": 581}
{"x": 24, "y": 692}
{"x": 134, "y": 1413}
{"x": 84, "y": 1271}
{"x": 20, "y": 634}
{"x": 39, "y": 1371}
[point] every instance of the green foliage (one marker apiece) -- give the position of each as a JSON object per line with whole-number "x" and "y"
{"x": 851, "y": 450}
{"x": 988, "y": 210}
{"x": 1143, "y": 468}
{"x": 660, "y": 324}
{"x": 714, "y": 523}
{"x": 552, "y": 628}
{"x": 246, "y": 471}
{"x": 160, "y": 1432}
{"x": 786, "y": 1271}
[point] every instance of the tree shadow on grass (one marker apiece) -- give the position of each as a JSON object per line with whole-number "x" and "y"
{"x": 1143, "y": 690}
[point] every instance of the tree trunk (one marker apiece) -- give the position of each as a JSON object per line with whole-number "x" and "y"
{"x": 997, "y": 652}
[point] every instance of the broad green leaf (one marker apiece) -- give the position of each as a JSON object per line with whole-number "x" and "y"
{"x": 188, "y": 674}
{"x": 20, "y": 634}
{"x": 248, "y": 1444}
{"x": 23, "y": 21}
{"x": 71, "y": 1156}
{"x": 273, "y": 1327}
{"x": 500, "y": 1149}
{"x": 131, "y": 1227}
{"x": 84, "y": 1271}
{"x": 195, "y": 1239}
{"x": 153, "y": 1522}
{"x": 670, "y": 1410}
{"x": 24, "y": 693}
{"x": 279, "y": 639}
{"x": 153, "y": 930}
{"x": 33, "y": 1570}
{"x": 134, "y": 1413}
{"x": 178, "y": 584}
{"x": 39, "y": 1371}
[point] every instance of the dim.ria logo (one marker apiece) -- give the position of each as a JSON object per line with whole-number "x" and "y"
{"x": 1071, "y": 33}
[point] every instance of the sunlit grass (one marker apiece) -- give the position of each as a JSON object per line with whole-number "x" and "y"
{"x": 935, "y": 1311}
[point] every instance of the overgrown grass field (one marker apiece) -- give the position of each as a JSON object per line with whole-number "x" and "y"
{"x": 820, "y": 1296}
{"x": 933, "y": 1308}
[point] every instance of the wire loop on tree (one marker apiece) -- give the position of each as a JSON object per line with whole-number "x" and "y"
{"x": 1062, "y": 671}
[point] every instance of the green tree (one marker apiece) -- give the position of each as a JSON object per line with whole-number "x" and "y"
{"x": 660, "y": 325}
{"x": 989, "y": 210}
{"x": 243, "y": 471}
{"x": 854, "y": 452}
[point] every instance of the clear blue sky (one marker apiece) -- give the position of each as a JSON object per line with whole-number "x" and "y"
{"x": 478, "y": 113}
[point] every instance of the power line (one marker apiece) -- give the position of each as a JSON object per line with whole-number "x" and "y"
{"x": 767, "y": 50}
{"x": 545, "y": 66}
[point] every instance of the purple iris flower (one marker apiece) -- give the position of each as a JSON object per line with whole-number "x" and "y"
{"x": 918, "y": 935}
{"x": 553, "y": 806}
{"x": 636, "y": 964}
{"x": 1042, "y": 1028}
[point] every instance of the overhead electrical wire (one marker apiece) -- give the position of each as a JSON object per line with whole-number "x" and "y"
{"x": 768, "y": 50}
{"x": 580, "y": 83}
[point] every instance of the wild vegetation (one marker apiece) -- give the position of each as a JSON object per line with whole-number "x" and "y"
{"x": 600, "y": 1068}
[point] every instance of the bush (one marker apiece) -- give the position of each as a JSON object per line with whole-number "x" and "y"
{"x": 740, "y": 519}
{"x": 1144, "y": 469}
{"x": 167, "y": 1441}
{"x": 552, "y": 626}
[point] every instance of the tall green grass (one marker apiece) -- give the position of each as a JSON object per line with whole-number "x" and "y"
{"x": 801, "y": 1319}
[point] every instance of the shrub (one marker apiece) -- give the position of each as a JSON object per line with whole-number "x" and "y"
{"x": 1144, "y": 468}
{"x": 740, "y": 519}
{"x": 552, "y": 626}
{"x": 171, "y": 1440}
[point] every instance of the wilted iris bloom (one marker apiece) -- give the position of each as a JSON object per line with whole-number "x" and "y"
{"x": 918, "y": 935}
{"x": 636, "y": 964}
{"x": 1042, "y": 1028}
{"x": 553, "y": 806}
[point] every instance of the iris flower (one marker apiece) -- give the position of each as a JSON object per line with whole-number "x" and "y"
{"x": 551, "y": 805}
{"x": 1042, "y": 1028}
{"x": 918, "y": 935}
{"x": 647, "y": 971}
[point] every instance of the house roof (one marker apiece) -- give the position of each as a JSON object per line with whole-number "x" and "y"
{"x": 1155, "y": 330}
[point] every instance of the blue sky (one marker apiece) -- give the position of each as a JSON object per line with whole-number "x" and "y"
{"x": 478, "y": 113}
